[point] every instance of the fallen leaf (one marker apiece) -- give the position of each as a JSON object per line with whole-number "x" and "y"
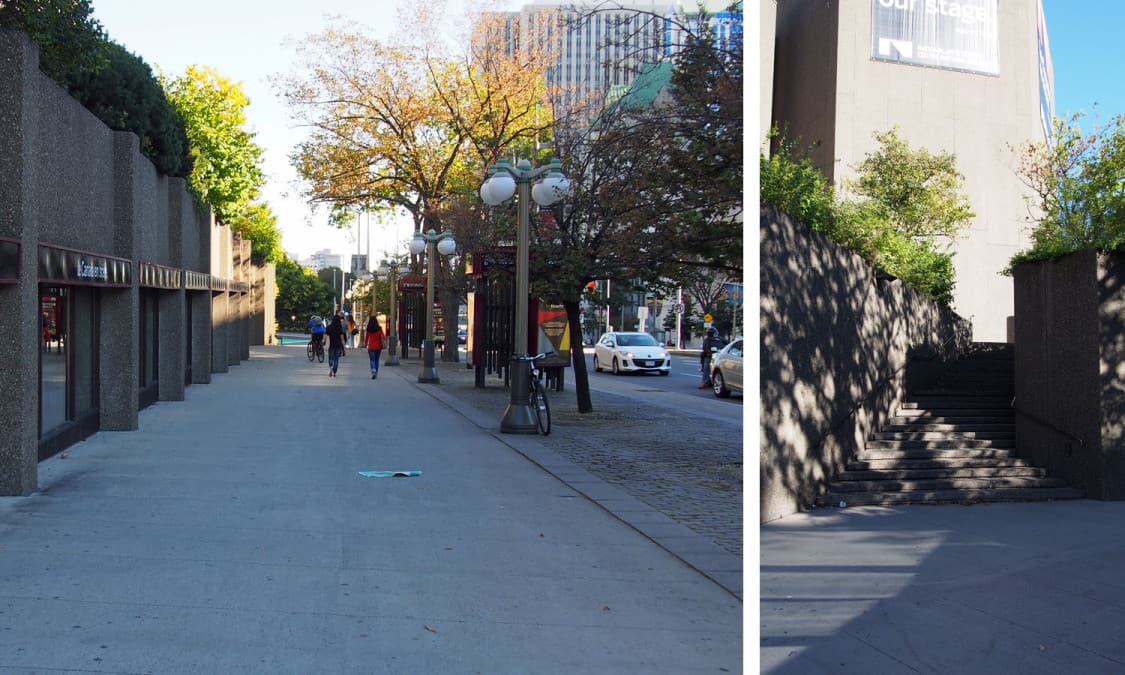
{"x": 605, "y": 608}
{"x": 430, "y": 628}
{"x": 65, "y": 455}
{"x": 449, "y": 548}
{"x": 1042, "y": 648}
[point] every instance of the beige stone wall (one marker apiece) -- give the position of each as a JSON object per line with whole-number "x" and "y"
{"x": 834, "y": 94}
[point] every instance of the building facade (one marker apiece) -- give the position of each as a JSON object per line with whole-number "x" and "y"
{"x": 115, "y": 291}
{"x": 600, "y": 48}
{"x": 972, "y": 78}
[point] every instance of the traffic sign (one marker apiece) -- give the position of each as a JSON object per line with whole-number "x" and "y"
{"x": 707, "y": 317}
{"x": 678, "y": 308}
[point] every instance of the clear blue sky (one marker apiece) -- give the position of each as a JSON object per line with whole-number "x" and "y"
{"x": 1087, "y": 40}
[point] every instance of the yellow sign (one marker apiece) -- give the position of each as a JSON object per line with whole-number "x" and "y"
{"x": 707, "y": 317}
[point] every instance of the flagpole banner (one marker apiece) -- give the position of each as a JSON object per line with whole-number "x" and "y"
{"x": 961, "y": 35}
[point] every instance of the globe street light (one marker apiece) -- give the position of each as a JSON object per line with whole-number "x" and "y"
{"x": 503, "y": 181}
{"x": 432, "y": 243}
{"x": 390, "y": 273}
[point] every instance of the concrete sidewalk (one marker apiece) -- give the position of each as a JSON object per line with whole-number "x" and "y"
{"x": 989, "y": 588}
{"x": 233, "y": 533}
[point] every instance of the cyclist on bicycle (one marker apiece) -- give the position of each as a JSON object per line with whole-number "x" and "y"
{"x": 316, "y": 327}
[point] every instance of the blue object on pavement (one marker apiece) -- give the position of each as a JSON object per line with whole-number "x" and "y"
{"x": 390, "y": 474}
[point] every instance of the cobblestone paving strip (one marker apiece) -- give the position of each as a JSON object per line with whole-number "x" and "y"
{"x": 689, "y": 470}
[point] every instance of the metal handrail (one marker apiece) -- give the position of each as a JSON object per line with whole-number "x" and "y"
{"x": 1042, "y": 422}
{"x": 880, "y": 384}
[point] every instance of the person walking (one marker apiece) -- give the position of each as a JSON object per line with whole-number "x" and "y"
{"x": 335, "y": 334}
{"x": 711, "y": 344}
{"x": 374, "y": 344}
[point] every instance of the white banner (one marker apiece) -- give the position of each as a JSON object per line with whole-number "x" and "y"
{"x": 960, "y": 35}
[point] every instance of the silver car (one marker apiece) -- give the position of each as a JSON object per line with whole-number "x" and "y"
{"x": 631, "y": 353}
{"x": 726, "y": 369}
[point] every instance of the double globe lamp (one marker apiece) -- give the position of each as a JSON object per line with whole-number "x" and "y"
{"x": 445, "y": 245}
{"x": 503, "y": 181}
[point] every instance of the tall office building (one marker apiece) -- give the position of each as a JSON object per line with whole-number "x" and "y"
{"x": 601, "y": 52}
{"x": 972, "y": 77}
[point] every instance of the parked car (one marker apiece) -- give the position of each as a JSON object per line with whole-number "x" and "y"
{"x": 726, "y": 369}
{"x": 631, "y": 353}
{"x": 462, "y": 336}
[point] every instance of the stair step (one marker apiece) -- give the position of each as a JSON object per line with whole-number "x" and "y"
{"x": 958, "y": 402}
{"x": 944, "y": 435}
{"x": 925, "y": 453}
{"x": 941, "y": 444}
{"x": 934, "y": 484}
{"x": 903, "y": 474}
{"x": 949, "y": 496}
{"x": 958, "y": 428}
{"x": 895, "y": 464}
{"x": 956, "y": 412}
{"x": 951, "y": 419}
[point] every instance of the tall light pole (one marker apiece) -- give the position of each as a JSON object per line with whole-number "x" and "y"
{"x": 433, "y": 243}
{"x": 519, "y": 418}
{"x": 391, "y": 273}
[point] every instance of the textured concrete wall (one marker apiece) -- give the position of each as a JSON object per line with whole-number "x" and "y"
{"x": 244, "y": 307}
{"x": 838, "y": 347}
{"x": 200, "y": 336}
{"x": 19, "y": 85}
{"x": 68, "y": 181}
{"x": 173, "y": 345}
{"x": 830, "y": 92}
{"x": 1069, "y": 373}
{"x": 1111, "y": 371}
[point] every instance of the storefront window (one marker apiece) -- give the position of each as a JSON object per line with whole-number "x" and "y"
{"x": 67, "y": 356}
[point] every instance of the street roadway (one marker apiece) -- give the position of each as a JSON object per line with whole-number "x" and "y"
{"x": 678, "y": 391}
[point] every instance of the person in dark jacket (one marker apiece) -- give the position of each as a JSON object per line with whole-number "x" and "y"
{"x": 711, "y": 344}
{"x": 336, "y": 333}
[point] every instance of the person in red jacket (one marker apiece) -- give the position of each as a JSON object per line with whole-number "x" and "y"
{"x": 374, "y": 345}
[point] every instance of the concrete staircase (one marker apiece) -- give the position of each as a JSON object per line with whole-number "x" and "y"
{"x": 953, "y": 441}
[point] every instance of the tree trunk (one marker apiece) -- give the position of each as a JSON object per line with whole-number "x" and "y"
{"x": 578, "y": 358}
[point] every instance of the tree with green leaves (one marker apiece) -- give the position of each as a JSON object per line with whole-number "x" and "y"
{"x": 299, "y": 293}
{"x": 113, "y": 83}
{"x": 409, "y": 126}
{"x": 70, "y": 39}
{"x": 909, "y": 205}
{"x": 918, "y": 191}
{"x": 226, "y": 171}
{"x": 1078, "y": 189}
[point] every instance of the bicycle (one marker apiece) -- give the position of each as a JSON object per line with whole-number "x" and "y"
{"x": 537, "y": 395}
{"x": 315, "y": 350}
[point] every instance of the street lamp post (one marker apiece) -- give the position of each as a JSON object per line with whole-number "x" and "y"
{"x": 390, "y": 273}
{"x": 433, "y": 243}
{"x": 505, "y": 179}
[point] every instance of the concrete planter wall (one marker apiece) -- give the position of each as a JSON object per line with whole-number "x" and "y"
{"x": 838, "y": 345}
{"x": 1070, "y": 369}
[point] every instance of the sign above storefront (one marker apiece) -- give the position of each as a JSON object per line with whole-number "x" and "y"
{"x": 960, "y": 35}
{"x": 80, "y": 268}
{"x": 9, "y": 261}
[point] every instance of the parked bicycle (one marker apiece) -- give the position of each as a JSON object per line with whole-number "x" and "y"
{"x": 537, "y": 395}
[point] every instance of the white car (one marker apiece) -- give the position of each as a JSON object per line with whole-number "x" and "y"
{"x": 726, "y": 369}
{"x": 631, "y": 353}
